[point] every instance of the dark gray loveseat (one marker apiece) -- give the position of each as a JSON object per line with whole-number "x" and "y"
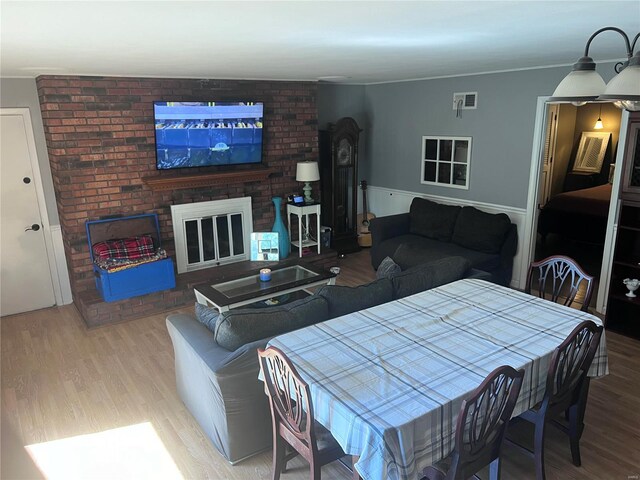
{"x": 217, "y": 365}
{"x": 432, "y": 230}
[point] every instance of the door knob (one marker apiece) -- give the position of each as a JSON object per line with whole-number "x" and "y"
{"x": 35, "y": 227}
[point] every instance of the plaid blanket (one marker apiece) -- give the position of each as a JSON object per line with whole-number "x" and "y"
{"x": 132, "y": 248}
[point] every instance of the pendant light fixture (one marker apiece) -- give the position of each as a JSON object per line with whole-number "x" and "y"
{"x": 583, "y": 84}
{"x": 598, "y": 125}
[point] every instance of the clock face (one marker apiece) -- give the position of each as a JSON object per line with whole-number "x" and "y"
{"x": 344, "y": 152}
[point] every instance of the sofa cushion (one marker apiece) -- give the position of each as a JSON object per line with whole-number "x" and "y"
{"x": 236, "y": 327}
{"x": 343, "y": 300}
{"x": 481, "y": 231}
{"x": 432, "y": 220}
{"x": 387, "y": 268}
{"x": 410, "y": 253}
{"x": 207, "y": 316}
{"x": 429, "y": 275}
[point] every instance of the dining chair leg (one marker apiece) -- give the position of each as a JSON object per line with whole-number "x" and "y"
{"x": 539, "y": 447}
{"x": 315, "y": 470}
{"x": 494, "y": 469}
{"x": 574, "y": 434}
{"x": 582, "y": 404}
{"x": 278, "y": 456}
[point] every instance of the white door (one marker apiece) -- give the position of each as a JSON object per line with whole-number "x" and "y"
{"x": 25, "y": 280}
{"x": 549, "y": 153}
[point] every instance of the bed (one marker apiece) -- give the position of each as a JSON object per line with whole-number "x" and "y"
{"x": 579, "y": 215}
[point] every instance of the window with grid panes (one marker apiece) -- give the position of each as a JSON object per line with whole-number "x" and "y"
{"x": 445, "y": 161}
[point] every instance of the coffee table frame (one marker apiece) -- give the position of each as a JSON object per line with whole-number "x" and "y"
{"x": 206, "y": 293}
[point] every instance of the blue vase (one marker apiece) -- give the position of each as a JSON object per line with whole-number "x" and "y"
{"x": 278, "y": 226}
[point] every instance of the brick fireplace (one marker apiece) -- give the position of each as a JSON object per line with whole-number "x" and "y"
{"x": 100, "y": 139}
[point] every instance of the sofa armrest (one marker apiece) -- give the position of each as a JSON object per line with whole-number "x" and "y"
{"x": 221, "y": 388}
{"x": 383, "y": 228}
{"x": 508, "y": 251}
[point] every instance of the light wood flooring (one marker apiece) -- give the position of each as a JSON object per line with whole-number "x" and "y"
{"x": 60, "y": 380}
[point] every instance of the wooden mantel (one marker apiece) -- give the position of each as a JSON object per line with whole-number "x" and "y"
{"x": 196, "y": 180}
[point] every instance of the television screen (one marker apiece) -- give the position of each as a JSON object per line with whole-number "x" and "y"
{"x": 203, "y": 134}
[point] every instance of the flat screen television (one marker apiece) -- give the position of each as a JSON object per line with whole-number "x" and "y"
{"x": 204, "y": 134}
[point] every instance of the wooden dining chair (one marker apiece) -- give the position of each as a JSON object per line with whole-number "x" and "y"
{"x": 555, "y": 272}
{"x": 566, "y": 392}
{"x": 481, "y": 427}
{"x": 292, "y": 416}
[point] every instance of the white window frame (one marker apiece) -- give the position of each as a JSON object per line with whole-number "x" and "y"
{"x": 196, "y": 212}
{"x": 452, "y": 162}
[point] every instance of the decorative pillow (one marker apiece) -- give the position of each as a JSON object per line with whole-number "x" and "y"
{"x": 207, "y": 316}
{"x": 130, "y": 248}
{"x": 432, "y": 220}
{"x": 237, "y": 327}
{"x": 387, "y": 268}
{"x": 481, "y": 231}
{"x": 343, "y": 300}
{"x": 429, "y": 275}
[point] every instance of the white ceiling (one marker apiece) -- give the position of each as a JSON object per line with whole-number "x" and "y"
{"x": 364, "y": 41}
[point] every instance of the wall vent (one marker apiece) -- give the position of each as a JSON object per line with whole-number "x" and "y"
{"x": 465, "y": 101}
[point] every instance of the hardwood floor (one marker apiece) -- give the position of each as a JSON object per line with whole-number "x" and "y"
{"x": 61, "y": 381}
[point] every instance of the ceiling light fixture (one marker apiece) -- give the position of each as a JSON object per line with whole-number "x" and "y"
{"x": 584, "y": 84}
{"x": 598, "y": 125}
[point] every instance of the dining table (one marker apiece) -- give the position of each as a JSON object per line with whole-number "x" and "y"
{"x": 388, "y": 382}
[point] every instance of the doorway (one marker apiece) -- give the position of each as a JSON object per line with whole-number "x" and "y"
{"x": 26, "y": 280}
{"x": 575, "y": 184}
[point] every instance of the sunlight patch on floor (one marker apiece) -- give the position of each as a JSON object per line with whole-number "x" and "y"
{"x": 132, "y": 452}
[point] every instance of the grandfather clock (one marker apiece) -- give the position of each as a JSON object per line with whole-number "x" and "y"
{"x": 338, "y": 148}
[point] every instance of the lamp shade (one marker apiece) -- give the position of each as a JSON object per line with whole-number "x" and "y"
{"x": 307, "y": 172}
{"x": 625, "y": 86}
{"x": 579, "y": 86}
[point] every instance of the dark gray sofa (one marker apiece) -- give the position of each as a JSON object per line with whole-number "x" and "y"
{"x": 432, "y": 230}
{"x": 217, "y": 369}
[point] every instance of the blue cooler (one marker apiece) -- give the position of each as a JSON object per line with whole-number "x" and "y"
{"x": 134, "y": 281}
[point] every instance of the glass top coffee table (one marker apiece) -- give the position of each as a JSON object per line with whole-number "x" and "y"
{"x": 249, "y": 288}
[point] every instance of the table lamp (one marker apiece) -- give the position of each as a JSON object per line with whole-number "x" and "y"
{"x": 307, "y": 172}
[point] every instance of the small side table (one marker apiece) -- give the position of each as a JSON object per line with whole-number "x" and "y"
{"x": 299, "y": 211}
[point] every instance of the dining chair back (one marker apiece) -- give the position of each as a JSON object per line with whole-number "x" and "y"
{"x": 566, "y": 391}
{"x": 557, "y": 277}
{"x": 292, "y": 416}
{"x": 481, "y": 426}
{"x": 570, "y": 364}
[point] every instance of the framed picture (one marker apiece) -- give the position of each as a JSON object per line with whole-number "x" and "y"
{"x": 264, "y": 246}
{"x": 591, "y": 150}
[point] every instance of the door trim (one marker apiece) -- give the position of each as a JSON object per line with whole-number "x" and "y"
{"x": 532, "y": 199}
{"x": 52, "y": 234}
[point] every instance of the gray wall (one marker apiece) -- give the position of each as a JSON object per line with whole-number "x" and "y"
{"x": 337, "y": 101}
{"x": 397, "y": 115}
{"x": 21, "y": 93}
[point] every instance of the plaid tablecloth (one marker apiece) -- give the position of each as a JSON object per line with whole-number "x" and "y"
{"x": 388, "y": 382}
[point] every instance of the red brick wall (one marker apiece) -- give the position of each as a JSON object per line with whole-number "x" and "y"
{"x": 100, "y": 138}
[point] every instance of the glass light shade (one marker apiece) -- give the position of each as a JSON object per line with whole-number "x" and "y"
{"x": 307, "y": 172}
{"x": 598, "y": 125}
{"x": 625, "y": 87}
{"x": 579, "y": 86}
{"x": 629, "y": 105}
